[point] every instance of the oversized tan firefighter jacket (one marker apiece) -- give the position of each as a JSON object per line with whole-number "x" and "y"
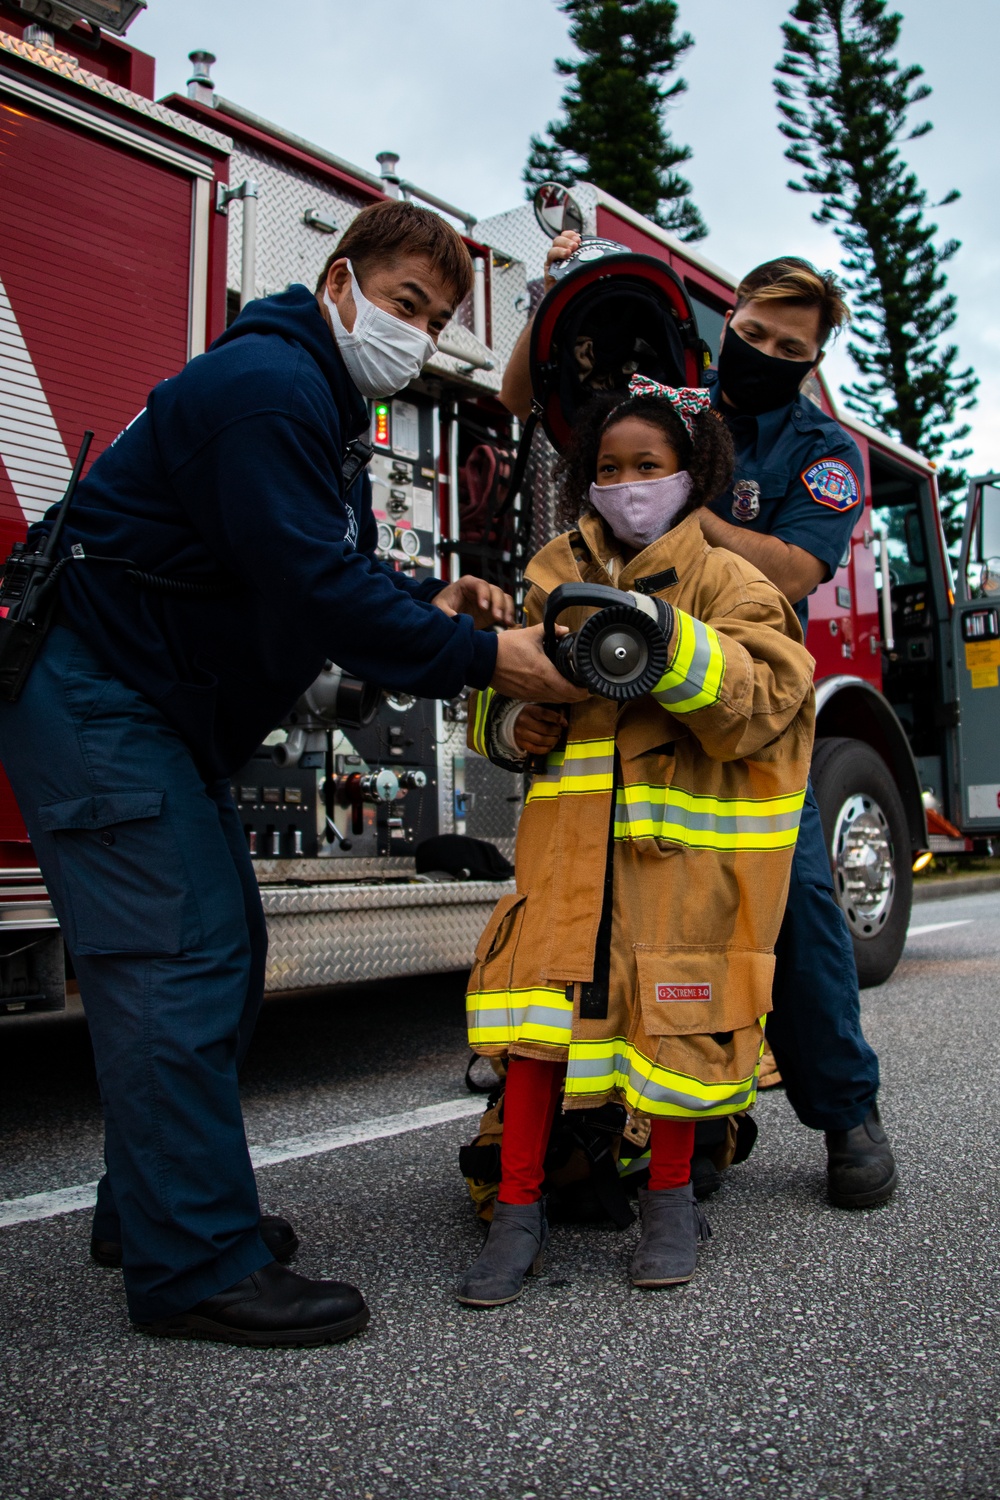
{"x": 654, "y": 850}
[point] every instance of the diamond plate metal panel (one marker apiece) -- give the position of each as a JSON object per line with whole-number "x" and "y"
{"x": 451, "y": 742}
{"x": 516, "y": 232}
{"x": 458, "y": 369}
{"x": 343, "y": 935}
{"x": 540, "y": 486}
{"x": 66, "y": 66}
{"x": 287, "y": 248}
{"x": 495, "y": 797}
{"x": 508, "y": 306}
{"x": 335, "y": 869}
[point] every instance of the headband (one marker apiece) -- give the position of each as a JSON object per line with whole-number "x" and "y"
{"x": 688, "y": 401}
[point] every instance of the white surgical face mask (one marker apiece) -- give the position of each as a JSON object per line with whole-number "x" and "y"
{"x": 640, "y": 513}
{"x": 382, "y": 353}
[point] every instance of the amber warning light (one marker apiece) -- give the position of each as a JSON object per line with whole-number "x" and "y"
{"x": 380, "y": 433}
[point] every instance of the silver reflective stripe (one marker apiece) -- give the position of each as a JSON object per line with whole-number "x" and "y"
{"x": 696, "y": 672}
{"x": 518, "y": 1015}
{"x": 667, "y": 812}
{"x": 657, "y": 1093}
{"x": 594, "y": 765}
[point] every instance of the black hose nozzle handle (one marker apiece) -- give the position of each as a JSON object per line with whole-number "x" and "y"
{"x": 570, "y": 596}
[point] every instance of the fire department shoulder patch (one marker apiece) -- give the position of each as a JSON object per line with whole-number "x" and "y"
{"x": 832, "y": 482}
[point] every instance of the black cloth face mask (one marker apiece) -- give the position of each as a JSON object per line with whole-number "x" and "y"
{"x": 756, "y": 382}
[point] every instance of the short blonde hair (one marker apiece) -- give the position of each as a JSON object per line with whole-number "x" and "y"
{"x": 791, "y": 279}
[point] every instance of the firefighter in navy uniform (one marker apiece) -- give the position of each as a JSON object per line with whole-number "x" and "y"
{"x": 222, "y": 549}
{"x": 793, "y": 504}
{"x": 792, "y": 507}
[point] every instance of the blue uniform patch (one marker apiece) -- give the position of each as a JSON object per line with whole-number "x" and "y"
{"x": 832, "y": 482}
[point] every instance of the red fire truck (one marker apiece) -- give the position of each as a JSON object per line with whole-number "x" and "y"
{"x": 133, "y": 231}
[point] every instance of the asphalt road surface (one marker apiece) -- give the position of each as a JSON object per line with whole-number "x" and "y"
{"x": 818, "y": 1353}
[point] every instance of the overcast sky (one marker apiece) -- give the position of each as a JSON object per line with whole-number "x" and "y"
{"x": 458, "y": 86}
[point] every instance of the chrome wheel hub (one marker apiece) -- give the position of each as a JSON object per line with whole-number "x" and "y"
{"x": 863, "y": 871}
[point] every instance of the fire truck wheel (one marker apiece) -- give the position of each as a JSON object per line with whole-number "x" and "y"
{"x": 868, "y": 840}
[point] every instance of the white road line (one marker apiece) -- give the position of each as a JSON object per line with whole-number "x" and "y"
{"x": 936, "y": 927}
{"x": 366, "y": 1130}
{"x": 69, "y": 1200}
{"x": 47, "y": 1205}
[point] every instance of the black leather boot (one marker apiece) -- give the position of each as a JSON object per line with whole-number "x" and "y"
{"x": 861, "y": 1169}
{"x": 276, "y": 1232}
{"x": 271, "y": 1306}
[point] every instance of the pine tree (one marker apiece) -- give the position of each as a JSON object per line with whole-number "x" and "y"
{"x": 612, "y": 132}
{"x": 845, "y": 103}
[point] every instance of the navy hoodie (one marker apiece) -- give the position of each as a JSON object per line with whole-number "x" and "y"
{"x": 233, "y": 471}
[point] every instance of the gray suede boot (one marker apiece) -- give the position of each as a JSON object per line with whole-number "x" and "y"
{"x": 672, "y": 1225}
{"x": 514, "y": 1249}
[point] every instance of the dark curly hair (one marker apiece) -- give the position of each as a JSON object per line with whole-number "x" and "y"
{"x": 708, "y": 456}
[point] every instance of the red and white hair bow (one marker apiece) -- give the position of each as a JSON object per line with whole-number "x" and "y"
{"x": 687, "y": 400}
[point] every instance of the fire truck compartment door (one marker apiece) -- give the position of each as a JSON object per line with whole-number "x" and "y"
{"x": 976, "y": 642}
{"x": 103, "y": 261}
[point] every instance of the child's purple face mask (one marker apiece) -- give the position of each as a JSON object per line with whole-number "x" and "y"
{"x": 642, "y": 511}
{"x": 639, "y": 489}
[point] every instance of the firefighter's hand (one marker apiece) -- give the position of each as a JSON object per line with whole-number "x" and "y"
{"x": 524, "y": 671}
{"x": 538, "y": 729}
{"x": 468, "y": 595}
{"x": 562, "y": 248}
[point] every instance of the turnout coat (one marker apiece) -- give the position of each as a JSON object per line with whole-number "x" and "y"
{"x": 654, "y": 850}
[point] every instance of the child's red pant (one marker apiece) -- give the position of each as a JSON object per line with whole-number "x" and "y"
{"x": 529, "y": 1107}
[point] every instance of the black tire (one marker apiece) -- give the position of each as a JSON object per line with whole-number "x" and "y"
{"x": 855, "y": 791}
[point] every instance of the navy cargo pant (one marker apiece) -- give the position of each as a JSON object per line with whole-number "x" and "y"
{"x": 829, "y": 1071}
{"x": 150, "y": 878}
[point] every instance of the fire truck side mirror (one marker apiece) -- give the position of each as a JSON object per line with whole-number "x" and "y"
{"x": 556, "y": 210}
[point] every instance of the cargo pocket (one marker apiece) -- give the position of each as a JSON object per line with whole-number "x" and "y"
{"x": 701, "y": 1007}
{"x": 494, "y": 957}
{"x": 123, "y": 874}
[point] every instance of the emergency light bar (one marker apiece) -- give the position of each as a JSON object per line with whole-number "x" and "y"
{"x": 112, "y": 15}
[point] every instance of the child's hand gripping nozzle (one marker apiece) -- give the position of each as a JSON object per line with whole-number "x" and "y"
{"x": 621, "y": 651}
{"x": 28, "y": 593}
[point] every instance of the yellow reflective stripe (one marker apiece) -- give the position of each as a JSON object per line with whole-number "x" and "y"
{"x": 595, "y": 1068}
{"x": 693, "y": 679}
{"x": 702, "y": 822}
{"x": 582, "y": 766}
{"x": 568, "y": 786}
{"x": 484, "y": 699}
{"x": 536, "y": 1014}
{"x": 585, "y": 749}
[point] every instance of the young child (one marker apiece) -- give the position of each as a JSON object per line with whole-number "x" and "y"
{"x": 634, "y": 961}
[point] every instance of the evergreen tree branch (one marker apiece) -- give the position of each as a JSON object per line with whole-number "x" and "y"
{"x": 844, "y": 106}
{"x": 612, "y": 130}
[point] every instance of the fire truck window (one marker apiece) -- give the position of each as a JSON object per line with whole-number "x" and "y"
{"x": 914, "y": 540}
{"x": 711, "y": 319}
{"x": 988, "y": 530}
{"x": 984, "y": 551}
{"x": 910, "y": 670}
{"x": 907, "y": 557}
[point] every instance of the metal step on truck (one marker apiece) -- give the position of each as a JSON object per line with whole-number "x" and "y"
{"x": 176, "y": 212}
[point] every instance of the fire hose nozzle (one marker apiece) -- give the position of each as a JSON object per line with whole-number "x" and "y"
{"x": 620, "y": 652}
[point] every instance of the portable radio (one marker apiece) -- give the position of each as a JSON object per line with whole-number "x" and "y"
{"x": 28, "y": 593}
